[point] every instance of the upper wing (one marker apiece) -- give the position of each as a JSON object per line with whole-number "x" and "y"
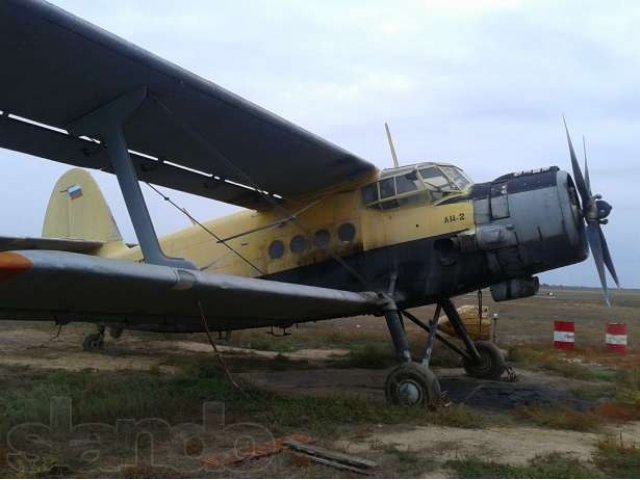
{"x": 39, "y": 285}
{"x": 57, "y": 68}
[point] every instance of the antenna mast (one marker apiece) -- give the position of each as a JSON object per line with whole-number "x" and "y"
{"x": 391, "y": 147}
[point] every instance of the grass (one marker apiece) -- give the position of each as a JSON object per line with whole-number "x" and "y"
{"x": 560, "y": 418}
{"x": 337, "y": 334}
{"x": 107, "y": 397}
{"x": 407, "y": 464}
{"x": 554, "y": 465}
{"x": 617, "y": 459}
{"x": 628, "y": 391}
{"x": 570, "y": 365}
{"x": 328, "y": 416}
{"x": 617, "y": 402}
{"x": 370, "y": 355}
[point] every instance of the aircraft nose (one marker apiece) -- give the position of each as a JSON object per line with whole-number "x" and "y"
{"x": 529, "y": 222}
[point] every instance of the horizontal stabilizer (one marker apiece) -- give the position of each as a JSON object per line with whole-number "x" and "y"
{"x": 63, "y": 244}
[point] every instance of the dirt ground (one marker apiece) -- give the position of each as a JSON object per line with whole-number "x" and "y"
{"x": 313, "y": 348}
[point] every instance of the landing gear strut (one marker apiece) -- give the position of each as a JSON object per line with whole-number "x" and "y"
{"x": 413, "y": 383}
{"x": 94, "y": 342}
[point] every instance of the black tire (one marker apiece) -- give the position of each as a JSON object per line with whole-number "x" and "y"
{"x": 492, "y": 363}
{"x": 93, "y": 342}
{"x": 115, "y": 332}
{"x": 411, "y": 385}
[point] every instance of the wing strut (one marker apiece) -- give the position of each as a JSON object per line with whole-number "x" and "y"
{"x": 106, "y": 123}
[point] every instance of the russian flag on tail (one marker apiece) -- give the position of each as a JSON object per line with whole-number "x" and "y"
{"x": 75, "y": 192}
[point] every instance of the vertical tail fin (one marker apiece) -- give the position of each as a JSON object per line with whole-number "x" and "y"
{"x": 77, "y": 210}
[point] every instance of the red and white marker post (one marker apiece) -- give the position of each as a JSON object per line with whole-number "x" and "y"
{"x": 616, "y": 337}
{"x": 564, "y": 335}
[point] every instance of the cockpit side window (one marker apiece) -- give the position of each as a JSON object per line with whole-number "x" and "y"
{"x": 456, "y": 177}
{"x": 433, "y": 177}
{"x": 416, "y": 184}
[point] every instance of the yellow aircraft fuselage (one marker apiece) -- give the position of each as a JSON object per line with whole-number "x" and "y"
{"x": 258, "y": 230}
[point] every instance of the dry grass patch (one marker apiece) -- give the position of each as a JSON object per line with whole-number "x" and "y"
{"x": 560, "y": 418}
{"x": 572, "y": 364}
{"x": 554, "y": 465}
{"x": 618, "y": 459}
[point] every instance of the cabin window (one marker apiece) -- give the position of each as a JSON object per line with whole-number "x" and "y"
{"x": 347, "y": 232}
{"x": 322, "y": 238}
{"x": 406, "y": 183}
{"x": 387, "y": 188}
{"x": 276, "y": 249}
{"x": 298, "y": 244}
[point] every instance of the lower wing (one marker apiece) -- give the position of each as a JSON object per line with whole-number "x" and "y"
{"x": 63, "y": 286}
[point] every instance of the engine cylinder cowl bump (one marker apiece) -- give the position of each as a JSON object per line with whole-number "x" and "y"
{"x": 515, "y": 288}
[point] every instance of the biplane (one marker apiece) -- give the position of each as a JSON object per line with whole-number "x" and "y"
{"x": 323, "y": 234}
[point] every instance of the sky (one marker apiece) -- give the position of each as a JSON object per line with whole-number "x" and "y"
{"x": 482, "y": 84}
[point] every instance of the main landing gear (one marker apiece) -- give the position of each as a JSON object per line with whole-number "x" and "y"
{"x": 94, "y": 342}
{"x": 412, "y": 383}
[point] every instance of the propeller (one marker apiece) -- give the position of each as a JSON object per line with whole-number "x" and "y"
{"x": 595, "y": 212}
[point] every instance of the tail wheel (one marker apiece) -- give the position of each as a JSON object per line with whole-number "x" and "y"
{"x": 491, "y": 365}
{"x": 93, "y": 342}
{"x": 411, "y": 385}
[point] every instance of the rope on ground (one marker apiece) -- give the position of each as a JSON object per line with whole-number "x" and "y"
{"x": 223, "y": 364}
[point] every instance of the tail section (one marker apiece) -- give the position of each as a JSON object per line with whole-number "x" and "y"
{"x": 77, "y": 210}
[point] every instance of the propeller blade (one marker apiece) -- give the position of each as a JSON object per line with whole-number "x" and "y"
{"x": 586, "y": 167}
{"x": 595, "y": 243}
{"x": 577, "y": 173}
{"x": 607, "y": 257}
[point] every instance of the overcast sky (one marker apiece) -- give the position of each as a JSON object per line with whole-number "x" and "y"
{"x": 480, "y": 83}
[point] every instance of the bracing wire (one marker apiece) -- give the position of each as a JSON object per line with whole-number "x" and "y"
{"x": 205, "y": 228}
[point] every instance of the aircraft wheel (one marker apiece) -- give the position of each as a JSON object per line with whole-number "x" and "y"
{"x": 492, "y": 363}
{"x": 93, "y": 342}
{"x": 410, "y": 385}
{"x": 115, "y": 332}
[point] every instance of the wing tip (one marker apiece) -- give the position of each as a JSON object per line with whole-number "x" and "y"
{"x": 13, "y": 264}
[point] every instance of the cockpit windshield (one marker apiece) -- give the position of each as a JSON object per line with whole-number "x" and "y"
{"x": 428, "y": 182}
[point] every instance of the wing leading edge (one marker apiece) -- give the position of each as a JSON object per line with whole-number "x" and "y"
{"x": 62, "y": 286}
{"x": 191, "y": 134}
